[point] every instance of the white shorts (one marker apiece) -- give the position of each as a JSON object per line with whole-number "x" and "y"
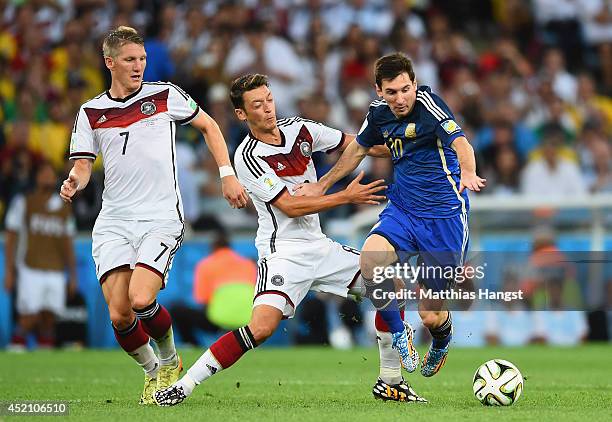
{"x": 285, "y": 276}
{"x": 127, "y": 244}
{"x": 40, "y": 290}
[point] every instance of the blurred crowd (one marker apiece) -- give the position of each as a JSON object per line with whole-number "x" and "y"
{"x": 528, "y": 81}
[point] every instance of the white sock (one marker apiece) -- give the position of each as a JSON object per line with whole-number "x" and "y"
{"x": 145, "y": 356}
{"x": 205, "y": 367}
{"x": 167, "y": 350}
{"x": 390, "y": 365}
{"x": 187, "y": 383}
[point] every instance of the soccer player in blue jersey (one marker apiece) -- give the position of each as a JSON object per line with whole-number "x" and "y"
{"x": 428, "y": 203}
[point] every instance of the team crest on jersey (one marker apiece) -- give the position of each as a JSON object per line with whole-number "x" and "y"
{"x": 410, "y": 131}
{"x": 386, "y": 134}
{"x": 450, "y": 126}
{"x": 135, "y": 111}
{"x": 306, "y": 149}
{"x": 296, "y": 161}
{"x": 148, "y": 108}
{"x": 277, "y": 280}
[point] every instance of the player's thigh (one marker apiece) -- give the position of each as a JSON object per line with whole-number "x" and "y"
{"x": 112, "y": 247}
{"x": 55, "y": 292}
{"x": 445, "y": 240}
{"x": 30, "y": 296}
{"x": 115, "y": 290}
{"x": 337, "y": 269}
{"x": 264, "y": 321}
{"x": 442, "y": 252}
{"x": 283, "y": 280}
{"x": 157, "y": 245}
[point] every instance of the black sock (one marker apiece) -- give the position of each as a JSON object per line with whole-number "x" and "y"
{"x": 442, "y": 334}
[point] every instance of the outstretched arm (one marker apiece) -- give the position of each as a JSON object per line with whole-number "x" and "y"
{"x": 233, "y": 191}
{"x": 379, "y": 151}
{"x": 77, "y": 179}
{"x": 467, "y": 162}
{"x": 349, "y": 160}
{"x": 356, "y": 193}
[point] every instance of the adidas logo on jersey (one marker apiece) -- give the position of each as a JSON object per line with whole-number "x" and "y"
{"x": 280, "y": 166}
{"x": 102, "y": 119}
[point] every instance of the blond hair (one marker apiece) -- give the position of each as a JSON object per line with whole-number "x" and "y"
{"x": 119, "y": 37}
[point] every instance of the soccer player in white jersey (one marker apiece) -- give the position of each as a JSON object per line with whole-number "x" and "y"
{"x": 140, "y": 227}
{"x": 294, "y": 254}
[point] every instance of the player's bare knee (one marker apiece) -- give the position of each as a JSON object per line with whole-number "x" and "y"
{"x": 262, "y": 331}
{"x": 264, "y": 321}
{"x": 369, "y": 264}
{"x": 372, "y": 264}
{"x": 121, "y": 319}
{"x": 431, "y": 319}
{"x": 399, "y": 284}
{"x": 140, "y": 300}
{"x": 377, "y": 254}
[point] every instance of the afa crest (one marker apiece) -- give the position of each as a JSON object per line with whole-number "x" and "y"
{"x": 410, "y": 131}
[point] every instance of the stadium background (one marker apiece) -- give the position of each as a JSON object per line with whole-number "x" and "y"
{"x": 529, "y": 81}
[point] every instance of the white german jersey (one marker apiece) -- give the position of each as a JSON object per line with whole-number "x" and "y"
{"x": 135, "y": 136}
{"x": 267, "y": 170}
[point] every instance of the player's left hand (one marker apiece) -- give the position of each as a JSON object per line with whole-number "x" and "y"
{"x": 472, "y": 182}
{"x": 308, "y": 189}
{"x": 234, "y": 192}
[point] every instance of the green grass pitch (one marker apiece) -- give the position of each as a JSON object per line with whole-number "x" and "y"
{"x": 317, "y": 384}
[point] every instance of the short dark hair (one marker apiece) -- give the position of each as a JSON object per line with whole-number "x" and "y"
{"x": 244, "y": 84}
{"x": 392, "y": 65}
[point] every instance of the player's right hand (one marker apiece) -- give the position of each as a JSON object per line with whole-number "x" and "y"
{"x": 365, "y": 194}
{"x": 69, "y": 187}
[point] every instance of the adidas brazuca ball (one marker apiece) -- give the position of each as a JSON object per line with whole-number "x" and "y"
{"x": 498, "y": 383}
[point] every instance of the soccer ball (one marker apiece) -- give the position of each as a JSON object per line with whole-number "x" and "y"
{"x": 498, "y": 383}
